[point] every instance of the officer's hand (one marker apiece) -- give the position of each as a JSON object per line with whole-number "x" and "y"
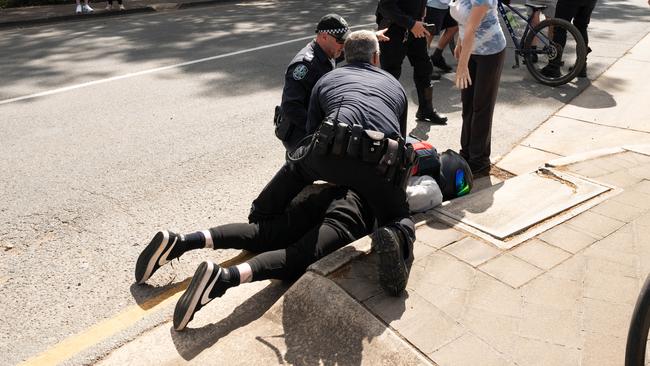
{"x": 419, "y": 30}
{"x": 381, "y": 35}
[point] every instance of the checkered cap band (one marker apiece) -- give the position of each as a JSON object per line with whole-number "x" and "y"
{"x": 334, "y": 31}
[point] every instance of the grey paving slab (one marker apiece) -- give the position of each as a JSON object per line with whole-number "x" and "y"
{"x": 605, "y": 318}
{"x": 602, "y": 349}
{"x": 618, "y": 211}
{"x": 595, "y": 224}
{"x": 634, "y": 198}
{"x": 641, "y": 51}
{"x": 441, "y": 268}
{"x": 550, "y": 325}
{"x": 468, "y": 350}
{"x": 554, "y": 293}
{"x": 622, "y": 179}
{"x": 494, "y": 296}
{"x": 523, "y": 159}
{"x": 520, "y": 202}
{"x": 360, "y": 278}
{"x": 500, "y": 331}
{"x": 540, "y": 254}
{"x": 511, "y": 270}
{"x": 472, "y": 251}
{"x": 437, "y": 235}
{"x": 532, "y": 352}
{"x": 617, "y": 86}
{"x": 568, "y": 136}
{"x": 423, "y": 325}
{"x": 567, "y": 238}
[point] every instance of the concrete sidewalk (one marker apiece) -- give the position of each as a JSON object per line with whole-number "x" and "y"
{"x": 556, "y": 289}
{"x": 35, "y": 15}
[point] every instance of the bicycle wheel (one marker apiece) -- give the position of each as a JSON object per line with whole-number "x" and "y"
{"x": 556, "y": 64}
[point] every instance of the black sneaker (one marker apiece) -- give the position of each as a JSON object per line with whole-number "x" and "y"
{"x": 431, "y": 116}
{"x": 155, "y": 255}
{"x": 439, "y": 62}
{"x": 551, "y": 71}
{"x": 435, "y": 75}
{"x": 208, "y": 283}
{"x": 393, "y": 272}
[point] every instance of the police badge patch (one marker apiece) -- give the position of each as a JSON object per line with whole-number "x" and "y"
{"x": 300, "y": 72}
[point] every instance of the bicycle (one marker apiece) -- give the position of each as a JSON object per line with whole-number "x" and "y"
{"x": 550, "y": 63}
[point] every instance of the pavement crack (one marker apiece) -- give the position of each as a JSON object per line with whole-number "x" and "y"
{"x": 547, "y": 173}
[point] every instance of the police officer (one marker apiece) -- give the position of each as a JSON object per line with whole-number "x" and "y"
{"x": 359, "y": 144}
{"x": 306, "y": 68}
{"x": 407, "y": 35}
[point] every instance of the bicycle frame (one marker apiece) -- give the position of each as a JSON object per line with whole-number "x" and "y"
{"x": 519, "y": 50}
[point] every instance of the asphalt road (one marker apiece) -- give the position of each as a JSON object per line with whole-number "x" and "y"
{"x": 91, "y": 172}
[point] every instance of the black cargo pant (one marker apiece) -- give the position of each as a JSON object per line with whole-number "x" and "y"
{"x": 322, "y": 222}
{"x": 478, "y": 101}
{"x": 386, "y": 200}
{"x": 576, "y": 11}
{"x": 415, "y": 49}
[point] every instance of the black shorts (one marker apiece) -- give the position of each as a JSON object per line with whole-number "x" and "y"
{"x": 441, "y": 18}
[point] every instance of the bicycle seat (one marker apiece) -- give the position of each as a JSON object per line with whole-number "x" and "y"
{"x": 536, "y": 7}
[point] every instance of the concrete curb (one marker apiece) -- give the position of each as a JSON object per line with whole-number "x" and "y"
{"x": 103, "y": 14}
{"x": 74, "y": 17}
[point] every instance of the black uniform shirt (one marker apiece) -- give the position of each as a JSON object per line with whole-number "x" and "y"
{"x": 306, "y": 68}
{"x": 360, "y": 93}
{"x": 401, "y": 12}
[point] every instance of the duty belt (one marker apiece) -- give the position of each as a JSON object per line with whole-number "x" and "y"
{"x": 392, "y": 157}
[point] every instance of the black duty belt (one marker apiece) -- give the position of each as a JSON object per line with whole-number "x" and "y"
{"x": 392, "y": 157}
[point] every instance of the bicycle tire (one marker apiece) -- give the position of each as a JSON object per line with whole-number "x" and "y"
{"x": 572, "y": 62}
{"x": 637, "y": 336}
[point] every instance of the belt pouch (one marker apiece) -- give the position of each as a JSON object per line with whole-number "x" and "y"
{"x": 389, "y": 159}
{"x": 354, "y": 142}
{"x": 324, "y": 137}
{"x": 371, "y": 150}
{"x": 340, "y": 145}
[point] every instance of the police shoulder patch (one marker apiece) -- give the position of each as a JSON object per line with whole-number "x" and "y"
{"x": 299, "y": 72}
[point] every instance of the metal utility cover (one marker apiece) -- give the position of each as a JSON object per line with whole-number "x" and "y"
{"x": 516, "y": 204}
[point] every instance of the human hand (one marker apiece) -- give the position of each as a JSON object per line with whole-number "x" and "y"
{"x": 381, "y": 35}
{"x": 419, "y": 31}
{"x": 463, "y": 80}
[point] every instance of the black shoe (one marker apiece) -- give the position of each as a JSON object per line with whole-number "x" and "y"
{"x": 481, "y": 170}
{"x": 208, "y": 283}
{"x": 435, "y": 75}
{"x": 439, "y": 62}
{"x": 582, "y": 73}
{"x": 431, "y": 116}
{"x": 551, "y": 71}
{"x": 155, "y": 255}
{"x": 393, "y": 271}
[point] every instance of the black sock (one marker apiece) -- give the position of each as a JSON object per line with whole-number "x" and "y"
{"x": 194, "y": 240}
{"x": 229, "y": 278}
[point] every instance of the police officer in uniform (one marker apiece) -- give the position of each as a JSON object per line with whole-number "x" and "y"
{"x": 407, "y": 35}
{"x": 306, "y": 68}
{"x": 358, "y": 116}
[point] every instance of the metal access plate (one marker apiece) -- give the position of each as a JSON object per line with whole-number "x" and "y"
{"x": 512, "y": 206}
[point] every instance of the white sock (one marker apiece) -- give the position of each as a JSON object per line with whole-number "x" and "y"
{"x": 208, "y": 239}
{"x": 245, "y": 272}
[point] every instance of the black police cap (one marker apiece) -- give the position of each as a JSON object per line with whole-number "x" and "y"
{"x": 335, "y": 25}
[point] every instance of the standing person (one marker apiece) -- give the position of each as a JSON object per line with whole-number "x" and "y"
{"x": 86, "y": 9}
{"x": 358, "y": 116}
{"x": 480, "y": 53}
{"x": 578, "y": 12}
{"x": 304, "y": 70}
{"x": 109, "y": 5}
{"x": 407, "y": 38}
{"x": 438, "y": 15}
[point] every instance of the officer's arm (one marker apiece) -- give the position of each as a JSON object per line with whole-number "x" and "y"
{"x": 402, "y": 122}
{"x": 390, "y": 10}
{"x": 315, "y": 114}
{"x": 295, "y": 96}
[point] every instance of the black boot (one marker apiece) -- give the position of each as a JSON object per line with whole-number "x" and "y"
{"x": 426, "y": 112}
{"x": 395, "y": 258}
{"x": 439, "y": 61}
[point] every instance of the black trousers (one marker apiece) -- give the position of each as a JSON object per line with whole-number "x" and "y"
{"x": 314, "y": 227}
{"x": 576, "y": 11}
{"x": 478, "y": 108}
{"x": 393, "y": 53}
{"x": 386, "y": 200}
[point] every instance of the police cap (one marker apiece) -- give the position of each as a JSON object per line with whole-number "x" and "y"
{"x": 335, "y": 25}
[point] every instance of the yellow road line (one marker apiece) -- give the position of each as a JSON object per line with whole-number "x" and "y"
{"x": 106, "y": 328}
